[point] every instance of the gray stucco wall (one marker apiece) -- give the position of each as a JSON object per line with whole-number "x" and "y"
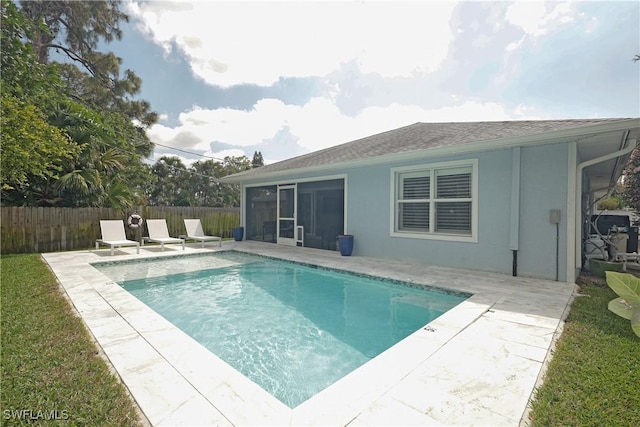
{"x": 491, "y": 252}
{"x": 543, "y": 187}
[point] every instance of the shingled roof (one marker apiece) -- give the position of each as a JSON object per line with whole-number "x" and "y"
{"x": 416, "y": 137}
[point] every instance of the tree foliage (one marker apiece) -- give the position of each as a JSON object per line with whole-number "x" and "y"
{"x": 72, "y": 135}
{"x": 31, "y": 147}
{"x": 197, "y": 185}
{"x": 73, "y": 30}
{"x": 631, "y": 191}
{"x": 257, "y": 159}
{"x": 612, "y": 202}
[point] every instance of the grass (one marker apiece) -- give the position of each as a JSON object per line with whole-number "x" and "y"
{"x": 50, "y": 365}
{"x": 594, "y": 376}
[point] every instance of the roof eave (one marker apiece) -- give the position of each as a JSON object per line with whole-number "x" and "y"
{"x": 467, "y": 148}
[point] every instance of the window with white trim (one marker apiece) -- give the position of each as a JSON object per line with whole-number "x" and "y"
{"x": 435, "y": 200}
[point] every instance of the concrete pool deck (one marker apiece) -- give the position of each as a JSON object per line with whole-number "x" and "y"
{"x": 477, "y": 364}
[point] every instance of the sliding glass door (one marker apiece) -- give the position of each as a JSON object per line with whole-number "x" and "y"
{"x": 309, "y": 214}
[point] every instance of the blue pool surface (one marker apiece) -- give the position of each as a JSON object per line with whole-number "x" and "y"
{"x": 292, "y": 329}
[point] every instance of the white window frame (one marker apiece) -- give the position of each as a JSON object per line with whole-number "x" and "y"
{"x": 432, "y": 234}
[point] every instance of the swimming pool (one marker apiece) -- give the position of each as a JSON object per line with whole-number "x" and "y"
{"x": 504, "y": 332}
{"x": 293, "y": 329}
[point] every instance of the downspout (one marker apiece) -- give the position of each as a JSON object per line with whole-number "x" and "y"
{"x": 514, "y": 230}
{"x": 578, "y": 192}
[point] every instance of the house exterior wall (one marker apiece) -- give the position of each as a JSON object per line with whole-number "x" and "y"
{"x": 543, "y": 186}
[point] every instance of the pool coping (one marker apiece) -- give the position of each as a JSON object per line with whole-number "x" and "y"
{"x": 505, "y": 330}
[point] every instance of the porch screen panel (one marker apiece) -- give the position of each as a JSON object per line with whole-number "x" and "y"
{"x": 321, "y": 212}
{"x": 261, "y": 213}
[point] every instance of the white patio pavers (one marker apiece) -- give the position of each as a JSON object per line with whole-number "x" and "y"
{"x": 475, "y": 365}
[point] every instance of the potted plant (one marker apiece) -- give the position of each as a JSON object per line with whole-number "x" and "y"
{"x": 238, "y": 233}
{"x": 345, "y": 244}
{"x": 627, "y": 306}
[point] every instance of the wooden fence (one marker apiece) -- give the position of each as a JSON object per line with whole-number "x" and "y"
{"x": 27, "y": 229}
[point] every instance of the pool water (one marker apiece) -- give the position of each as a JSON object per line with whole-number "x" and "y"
{"x": 290, "y": 328}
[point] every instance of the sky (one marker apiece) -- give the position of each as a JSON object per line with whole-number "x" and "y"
{"x": 229, "y": 78}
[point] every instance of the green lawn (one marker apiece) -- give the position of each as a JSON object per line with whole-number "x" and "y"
{"x": 52, "y": 373}
{"x": 594, "y": 376}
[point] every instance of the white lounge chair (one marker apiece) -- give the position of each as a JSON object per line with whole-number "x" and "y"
{"x": 113, "y": 235}
{"x": 159, "y": 233}
{"x": 195, "y": 232}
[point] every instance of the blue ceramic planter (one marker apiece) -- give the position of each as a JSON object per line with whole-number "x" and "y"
{"x": 345, "y": 244}
{"x": 238, "y": 234}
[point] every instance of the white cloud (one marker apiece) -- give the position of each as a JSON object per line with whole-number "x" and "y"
{"x": 536, "y": 18}
{"x": 158, "y": 155}
{"x": 230, "y": 43}
{"x": 592, "y": 25}
{"x": 515, "y": 45}
{"x": 234, "y": 152}
{"x": 316, "y": 125}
